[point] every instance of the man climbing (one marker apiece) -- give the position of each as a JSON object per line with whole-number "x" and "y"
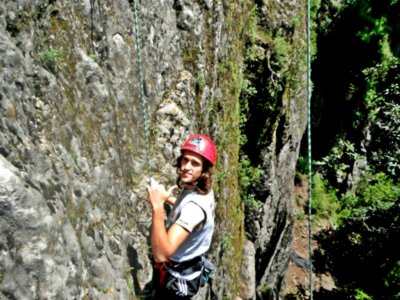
{"x": 179, "y": 244}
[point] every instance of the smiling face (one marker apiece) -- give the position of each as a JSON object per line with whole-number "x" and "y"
{"x": 191, "y": 167}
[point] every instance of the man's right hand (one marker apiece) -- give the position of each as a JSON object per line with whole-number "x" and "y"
{"x": 157, "y": 194}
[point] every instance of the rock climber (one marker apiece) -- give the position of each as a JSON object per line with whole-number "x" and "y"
{"x": 179, "y": 243}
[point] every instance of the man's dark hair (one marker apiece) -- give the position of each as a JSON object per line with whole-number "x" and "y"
{"x": 203, "y": 184}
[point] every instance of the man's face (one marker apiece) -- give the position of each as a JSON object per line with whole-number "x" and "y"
{"x": 191, "y": 167}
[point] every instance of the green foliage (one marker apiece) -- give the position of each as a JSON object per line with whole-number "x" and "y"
{"x": 393, "y": 276}
{"x": 324, "y": 200}
{"x": 266, "y": 291}
{"x": 376, "y": 27}
{"x": 290, "y": 296}
{"x": 361, "y": 295}
{"x": 372, "y": 99}
{"x": 302, "y": 165}
{"x": 362, "y": 255}
{"x": 51, "y": 58}
{"x": 249, "y": 177}
{"x": 229, "y": 214}
{"x": 315, "y": 5}
{"x": 247, "y": 91}
{"x": 337, "y": 163}
{"x": 374, "y": 191}
{"x": 190, "y": 56}
{"x": 384, "y": 104}
{"x": 226, "y": 242}
{"x": 282, "y": 50}
{"x": 375, "y": 188}
{"x": 376, "y": 76}
{"x": 357, "y": 44}
{"x": 200, "y": 84}
{"x": 392, "y": 280}
{"x": 344, "y": 150}
{"x": 252, "y": 35}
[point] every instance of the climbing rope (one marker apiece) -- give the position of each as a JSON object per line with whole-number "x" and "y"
{"x": 308, "y": 94}
{"x": 141, "y": 86}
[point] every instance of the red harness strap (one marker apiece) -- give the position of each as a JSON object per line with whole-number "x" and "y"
{"x": 163, "y": 272}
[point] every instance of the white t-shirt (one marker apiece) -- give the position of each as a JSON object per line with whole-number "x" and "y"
{"x": 191, "y": 216}
{"x": 191, "y": 209}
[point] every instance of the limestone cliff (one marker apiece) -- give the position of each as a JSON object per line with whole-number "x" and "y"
{"x": 73, "y": 167}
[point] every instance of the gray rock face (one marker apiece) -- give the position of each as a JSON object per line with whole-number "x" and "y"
{"x": 35, "y": 249}
{"x": 74, "y": 218}
{"x": 247, "y": 285}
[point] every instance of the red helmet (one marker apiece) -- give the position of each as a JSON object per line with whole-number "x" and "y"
{"x": 202, "y": 145}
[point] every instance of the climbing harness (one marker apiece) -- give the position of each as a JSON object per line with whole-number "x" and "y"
{"x": 141, "y": 86}
{"x": 308, "y": 94}
{"x": 183, "y": 279}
